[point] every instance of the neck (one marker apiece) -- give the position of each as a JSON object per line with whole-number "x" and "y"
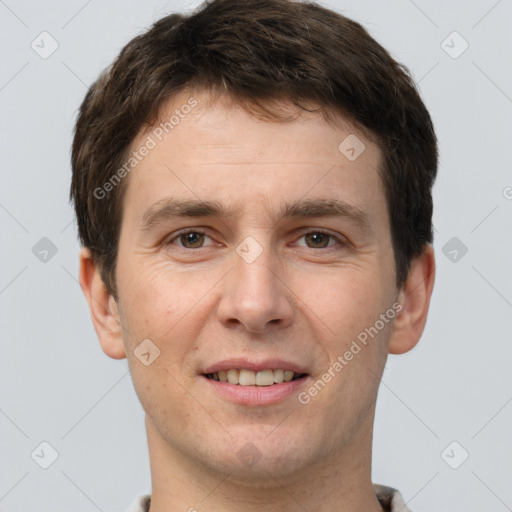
{"x": 341, "y": 482}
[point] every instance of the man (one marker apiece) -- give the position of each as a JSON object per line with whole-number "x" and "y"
{"x": 252, "y": 185}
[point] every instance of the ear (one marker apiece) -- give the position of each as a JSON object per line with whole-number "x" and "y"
{"x": 415, "y": 299}
{"x": 102, "y": 306}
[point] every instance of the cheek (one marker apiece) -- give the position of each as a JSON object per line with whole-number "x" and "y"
{"x": 345, "y": 307}
{"x": 168, "y": 307}
{"x": 346, "y": 300}
{"x": 158, "y": 309}
{"x": 157, "y": 296}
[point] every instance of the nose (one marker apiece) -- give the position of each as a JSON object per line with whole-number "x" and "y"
{"x": 256, "y": 296}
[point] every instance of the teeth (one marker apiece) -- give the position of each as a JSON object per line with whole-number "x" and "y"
{"x": 264, "y": 378}
{"x": 250, "y": 378}
{"x": 278, "y": 376}
{"x": 247, "y": 378}
{"x": 233, "y": 376}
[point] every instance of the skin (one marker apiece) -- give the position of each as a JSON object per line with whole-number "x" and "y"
{"x": 299, "y": 301}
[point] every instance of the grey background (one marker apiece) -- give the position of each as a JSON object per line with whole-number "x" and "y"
{"x": 57, "y": 386}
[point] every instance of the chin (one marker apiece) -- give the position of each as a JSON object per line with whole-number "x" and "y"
{"x": 256, "y": 454}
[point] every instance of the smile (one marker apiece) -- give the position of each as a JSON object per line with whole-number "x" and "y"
{"x": 244, "y": 377}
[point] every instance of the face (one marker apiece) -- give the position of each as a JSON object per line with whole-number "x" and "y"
{"x": 288, "y": 267}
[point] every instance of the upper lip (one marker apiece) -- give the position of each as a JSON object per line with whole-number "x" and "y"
{"x": 256, "y": 366}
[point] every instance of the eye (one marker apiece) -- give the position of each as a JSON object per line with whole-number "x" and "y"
{"x": 192, "y": 239}
{"x": 319, "y": 239}
{"x": 195, "y": 239}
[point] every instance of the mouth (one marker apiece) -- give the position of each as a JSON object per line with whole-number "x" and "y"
{"x": 247, "y": 377}
{"x": 251, "y": 383}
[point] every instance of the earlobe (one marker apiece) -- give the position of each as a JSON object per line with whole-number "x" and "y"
{"x": 415, "y": 299}
{"x": 102, "y": 306}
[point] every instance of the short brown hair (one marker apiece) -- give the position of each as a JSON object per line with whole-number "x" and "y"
{"x": 256, "y": 51}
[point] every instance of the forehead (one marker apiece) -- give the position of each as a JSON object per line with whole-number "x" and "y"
{"x": 205, "y": 148}
{"x": 222, "y": 120}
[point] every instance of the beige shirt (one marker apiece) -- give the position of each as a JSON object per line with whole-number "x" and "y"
{"x": 390, "y": 499}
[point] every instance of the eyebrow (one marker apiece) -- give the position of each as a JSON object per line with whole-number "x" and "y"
{"x": 306, "y": 208}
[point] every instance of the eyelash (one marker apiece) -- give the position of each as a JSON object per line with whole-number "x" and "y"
{"x": 201, "y": 232}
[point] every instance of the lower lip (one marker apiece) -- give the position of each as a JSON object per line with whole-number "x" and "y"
{"x": 256, "y": 395}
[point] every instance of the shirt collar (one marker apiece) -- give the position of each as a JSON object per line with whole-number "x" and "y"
{"x": 390, "y": 499}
